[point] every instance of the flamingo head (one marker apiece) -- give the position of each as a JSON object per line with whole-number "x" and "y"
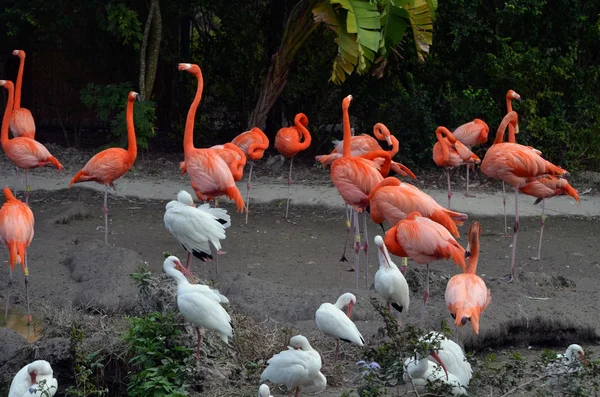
{"x": 2, "y": 82}
{"x": 346, "y": 102}
{"x": 511, "y": 94}
{"x": 134, "y": 96}
{"x": 19, "y": 53}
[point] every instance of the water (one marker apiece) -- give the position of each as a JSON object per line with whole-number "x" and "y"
{"x": 18, "y": 322}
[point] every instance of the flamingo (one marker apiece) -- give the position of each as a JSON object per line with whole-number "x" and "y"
{"x": 451, "y": 354}
{"x": 110, "y": 164}
{"x": 466, "y": 294}
{"x": 393, "y": 200}
{"x": 16, "y": 230}
{"x": 424, "y": 241}
{"x": 511, "y": 95}
{"x": 199, "y": 304}
{"x": 543, "y": 187}
{"x": 21, "y": 122}
{"x": 567, "y": 363}
{"x": 291, "y": 140}
{"x": 296, "y": 368}
{"x": 389, "y": 281}
{"x": 514, "y": 164}
{"x": 470, "y": 134}
{"x": 449, "y": 153}
{"x": 196, "y": 228}
{"x": 354, "y": 177}
{"x": 232, "y": 155}
{"x": 34, "y": 380}
{"x": 24, "y": 152}
{"x": 253, "y": 143}
{"x": 264, "y": 391}
{"x": 332, "y": 321}
{"x": 209, "y": 173}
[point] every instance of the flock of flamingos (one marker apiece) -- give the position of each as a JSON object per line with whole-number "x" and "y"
{"x": 421, "y": 229}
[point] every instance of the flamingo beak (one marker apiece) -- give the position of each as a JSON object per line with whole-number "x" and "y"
{"x": 468, "y": 251}
{"x": 183, "y": 66}
{"x": 388, "y": 139}
{"x": 437, "y": 358}
{"x": 350, "y": 307}
{"x": 517, "y": 129}
{"x": 138, "y": 98}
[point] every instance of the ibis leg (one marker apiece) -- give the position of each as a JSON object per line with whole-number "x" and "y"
{"x": 199, "y": 341}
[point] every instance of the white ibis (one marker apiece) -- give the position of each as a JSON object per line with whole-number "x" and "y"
{"x": 567, "y": 363}
{"x": 196, "y": 229}
{"x": 29, "y": 381}
{"x": 296, "y": 368}
{"x": 199, "y": 304}
{"x": 451, "y": 355}
{"x": 389, "y": 280}
{"x": 421, "y": 371}
{"x": 264, "y": 391}
{"x": 332, "y": 321}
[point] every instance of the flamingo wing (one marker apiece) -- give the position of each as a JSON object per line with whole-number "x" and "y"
{"x": 472, "y": 133}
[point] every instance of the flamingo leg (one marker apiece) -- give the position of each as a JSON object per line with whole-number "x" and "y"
{"x": 199, "y": 341}
{"x": 337, "y": 349}
{"x": 348, "y": 216}
{"x": 366, "y": 249}
{"x": 404, "y": 266}
{"x": 513, "y": 275}
{"x": 105, "y": 214}
{"x": 297, "y": 392}
{"x": 16, "y": 180}
{"x": 248, "y": 189}
{"x": 10, "y": 281}
{"x": 467, "y": 194}
{"x": 539, "y": 255}
{"x": 425, "y": 297}
{"x": 27, "y": 290}
{"x": 504, "y": 201}
{"x": 27, "y": 187}
{"x": 188, "y": 265}
{"x": 356, "y": 245}
{"x": 287, "y": 206}
{"x": 449, "y": 187}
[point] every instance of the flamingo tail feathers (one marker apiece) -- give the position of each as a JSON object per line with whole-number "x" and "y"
{"x": 234, "y": 194}
{"x": 81, "y": 176}
{"x": 55, "y": 163}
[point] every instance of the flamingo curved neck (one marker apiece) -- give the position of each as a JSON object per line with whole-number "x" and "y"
{"x": 17, "y": 103}
{"x": 7, "y": 113}
{"x": 508, "y": 103}
{"x": 131, "y": 142}
{"x": 502, "y": 128}
{"x": 439, "y": 134}
{"x": 474, "y": 257}
{"x": 300, "y": 122}
{"x": 188, "y": 138}
{"x": 347, "y": 148}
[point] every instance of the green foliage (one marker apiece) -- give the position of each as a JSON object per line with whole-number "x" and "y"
{"x": 43, "y": 389}
{"x": 88, "y": 369}
{"x": 157, "y": 356}
{"x": 141, "y": 277}
{"x": 123, "y": 22}
{"x": 110, "y": 104}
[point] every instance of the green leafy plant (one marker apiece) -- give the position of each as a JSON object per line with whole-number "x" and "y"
{"x": 157, "y": 356}
{"x": 109, "y": 102}
{"x": 88, "y": 369}
{"x": 142, "y": 276}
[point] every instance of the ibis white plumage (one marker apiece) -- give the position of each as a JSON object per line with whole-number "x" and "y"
{"x": 567, "y": 363}
{"x": 34, "y": 380}
{"x": 422, "y": 371}
{"x": 199, "y": 304}
{"x": 332, "y": 321}
{"x": 297, "y": 368}
{"x": 451, "y": 354}
{"x": 389, "y": 281}
{"x": 196, "y": 229}
{"x": 264, "y": 391}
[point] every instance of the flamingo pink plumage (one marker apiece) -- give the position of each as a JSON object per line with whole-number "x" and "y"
{"x": 470, "y": 134}
{"x": 21, "y": 122}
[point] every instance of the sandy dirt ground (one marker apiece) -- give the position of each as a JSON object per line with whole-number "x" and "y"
{"x": 283, "y": 271}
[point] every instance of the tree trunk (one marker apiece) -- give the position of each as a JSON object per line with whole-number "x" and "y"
{"x": 150, "y": 50}
{"x": 299, "y": 26}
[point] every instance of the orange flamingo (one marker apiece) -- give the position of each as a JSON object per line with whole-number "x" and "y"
{"x": 449, "y": 153}
{"x": 24, "y": 152}
{"x": 253, "y": 143}
{"x": 209, "y": 173}
{"x": 16, "y": 230}
{"x": 354, "y": 177}
{"x": 110, "y": 164}
{"x": 471, "y": 134}
{"x": 393, "y": 200}
{"x": 21, "y": 122}
{"x": 291, "y": 140}
{"x": 466, "y": 294}
{"x": 424, "y": 241}
{"x": 514, "y": 164}
{"x": 543, "y": 187}
{"x": 510, "y": 96}
{"x": 232, "y": 155}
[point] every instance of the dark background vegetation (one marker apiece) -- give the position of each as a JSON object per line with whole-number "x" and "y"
{"x": 545, "y": 50}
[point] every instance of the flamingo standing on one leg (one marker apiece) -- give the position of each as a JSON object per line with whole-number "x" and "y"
{"x": 24, "y": 152}
{"x": 291, "y": 140}
{"x": 543, "y": 187}
{"x": 466, "y": 294}
{"x": 16, "y": 230}
{"x": 449, "y": 153}
{"x": 471, "y": 134}
{"x": 209, "y": 173}
{"x": 514, "y": 164}
{"x": 354, "y": 177}
{"x": 232, "y": 155}
{"x": 110, "y": 164}
{"x": 253, "y": 143}
{"x": 424, "y": 241}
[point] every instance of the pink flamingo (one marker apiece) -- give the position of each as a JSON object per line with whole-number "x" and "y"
{"x": 471, "y": 134}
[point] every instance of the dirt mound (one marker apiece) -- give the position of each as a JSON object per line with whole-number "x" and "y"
{"x": 70, "y": 212}
{"x": 10, "y": 344}
{"x": 101, "y": 276}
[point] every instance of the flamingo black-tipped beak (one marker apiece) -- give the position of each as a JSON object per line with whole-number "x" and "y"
{"x": 519, "y": 99}
{"x": 138, "y": 98}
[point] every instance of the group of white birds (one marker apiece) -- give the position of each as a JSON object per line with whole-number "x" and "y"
{"x": 199, "y": 230}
